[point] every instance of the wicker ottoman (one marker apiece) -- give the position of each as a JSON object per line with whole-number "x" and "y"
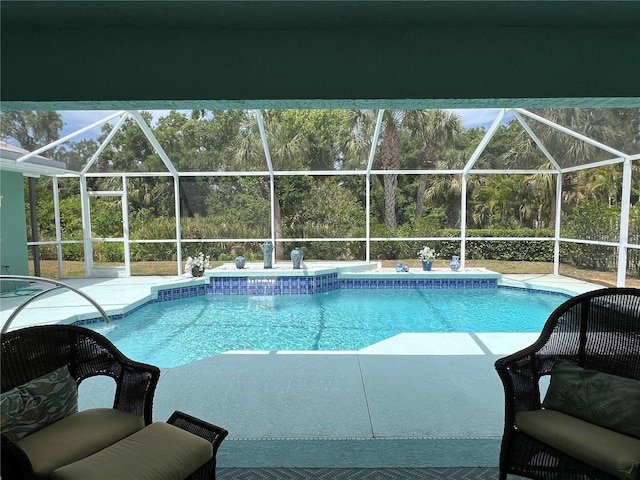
{"x": 183, "y": 448}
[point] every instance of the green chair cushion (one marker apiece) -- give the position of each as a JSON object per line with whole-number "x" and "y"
{"x": 37, "y": 403}
{"x": 610, "y": 451}
{"x": 607, "y": 400}
{"x": 158, "y": 452}
{"x": 77, "y": 436}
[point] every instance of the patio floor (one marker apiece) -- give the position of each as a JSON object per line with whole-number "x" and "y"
{"x": 416, "y": 400}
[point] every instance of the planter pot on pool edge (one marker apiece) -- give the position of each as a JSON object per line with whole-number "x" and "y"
{"x": 296, "y": 257}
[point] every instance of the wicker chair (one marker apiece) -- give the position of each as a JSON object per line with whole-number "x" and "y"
{"x": 28, "y": 353}
{"x": 31, "y": 352}
{"x": 599, "y": 330}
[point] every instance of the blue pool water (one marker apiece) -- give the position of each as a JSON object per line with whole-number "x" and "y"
{"x": 177, "y": 332}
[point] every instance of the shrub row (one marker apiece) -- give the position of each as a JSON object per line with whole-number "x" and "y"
{"x": 588, "y": 219}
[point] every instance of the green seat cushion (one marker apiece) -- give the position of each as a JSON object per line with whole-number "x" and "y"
{"x": 612, "y": 452}
{"x": 77, "y": 436}
{"x": 158, "y": 452}
{"x": 37, "y": 403}
{"x": 607, "y": 400}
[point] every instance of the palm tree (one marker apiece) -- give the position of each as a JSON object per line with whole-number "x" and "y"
{"x": 286, "y": 153}
{"x": 387, "y": 154}
{"x": 387, "y": 157}
{"x": 431, "y": 129}
{"x": 445, "y": 190}
{"x": 603, "y": 184}
{"x": 505, "y": 200}
{"x": 598, "y": 124}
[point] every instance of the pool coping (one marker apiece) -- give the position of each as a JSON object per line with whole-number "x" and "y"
{"x": 120, "y": 297}
{"x": 348, "y": 277}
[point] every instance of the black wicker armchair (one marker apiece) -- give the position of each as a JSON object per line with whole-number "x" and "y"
{"x": 31, "y": 352}
{"x": 598, "y": 331}
{"x": 35, "y": 352}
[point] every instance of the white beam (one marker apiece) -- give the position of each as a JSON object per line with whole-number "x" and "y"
{"x": 463, "y": 223}
{"x": 589, "y": 166}
{"x": 374, "y": 140}
{"x": 154, "y": 142}
{"x": 56, "y": 213}
{"x": 372, "y": 153}
{"x": 106, "y": 142}
{"x": 537, "y": 141}
{"x": 512, "y": 172}
{"x": 263, "y": 137}
{"x": 272, "y": 178}
{"x": 557, "y": 224}
{"x": 568, "y": 131}
{"x": 125, "y": 226}
{"x": 86, "y": 227}
{"x": 69, "y": 137}
{"x": 625, "y": 206}
{"x": 485, "y": 140}
{"x": 176, "y": 202}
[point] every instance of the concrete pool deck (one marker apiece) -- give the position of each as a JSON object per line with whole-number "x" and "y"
{"x": 414, "y": 400}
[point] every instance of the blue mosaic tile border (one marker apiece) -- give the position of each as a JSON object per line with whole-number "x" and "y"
{"x": 273, "y": 285}
{"x": 181, "y": 292}
{"x": 164, "y": 295}
{"x": 537, "y": 290}
{"x": 404, "y": 284}
{"x": 117, "y": 316}
{"x": 309, "y": 285}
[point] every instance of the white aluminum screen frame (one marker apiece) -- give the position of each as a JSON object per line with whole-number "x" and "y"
{"x": 618, "y": 157}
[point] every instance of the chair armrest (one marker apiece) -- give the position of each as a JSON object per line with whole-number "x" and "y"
{"x": 520, "y": 372}
{"x": 520, "y": 379}
{"x": 135, "y": 381}
{"x": 136, "y": 387}
{"x": 212, "y": 433}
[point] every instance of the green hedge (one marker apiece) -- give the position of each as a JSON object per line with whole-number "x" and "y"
{"x": 589, "y": 219}
{"x": 525, "y": 250}
{"x": 380, "y": 250}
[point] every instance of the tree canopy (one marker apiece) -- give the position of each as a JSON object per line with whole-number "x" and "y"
{"x": 204, "y": 145}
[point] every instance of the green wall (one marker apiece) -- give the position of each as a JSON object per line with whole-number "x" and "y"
{"x": 319, "y": 54}
{"x": 13, "y": 232}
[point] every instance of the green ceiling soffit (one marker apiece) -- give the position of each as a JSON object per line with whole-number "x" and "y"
{"x": 312, "y": 54}
{"x": 400, "y": 104}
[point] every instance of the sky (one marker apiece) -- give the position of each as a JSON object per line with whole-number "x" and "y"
{"x": 75, "y": 120}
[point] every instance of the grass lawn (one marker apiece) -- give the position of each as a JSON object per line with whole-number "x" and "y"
{"x": 49, "y": 269}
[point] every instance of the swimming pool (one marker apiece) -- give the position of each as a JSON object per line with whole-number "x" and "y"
{"x": 181, "y": 331}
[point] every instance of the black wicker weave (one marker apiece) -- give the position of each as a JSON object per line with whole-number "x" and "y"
{"x": 214, "y": 434}
{"x": 599, "y": 330}
{"x": 31, "y": 352}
